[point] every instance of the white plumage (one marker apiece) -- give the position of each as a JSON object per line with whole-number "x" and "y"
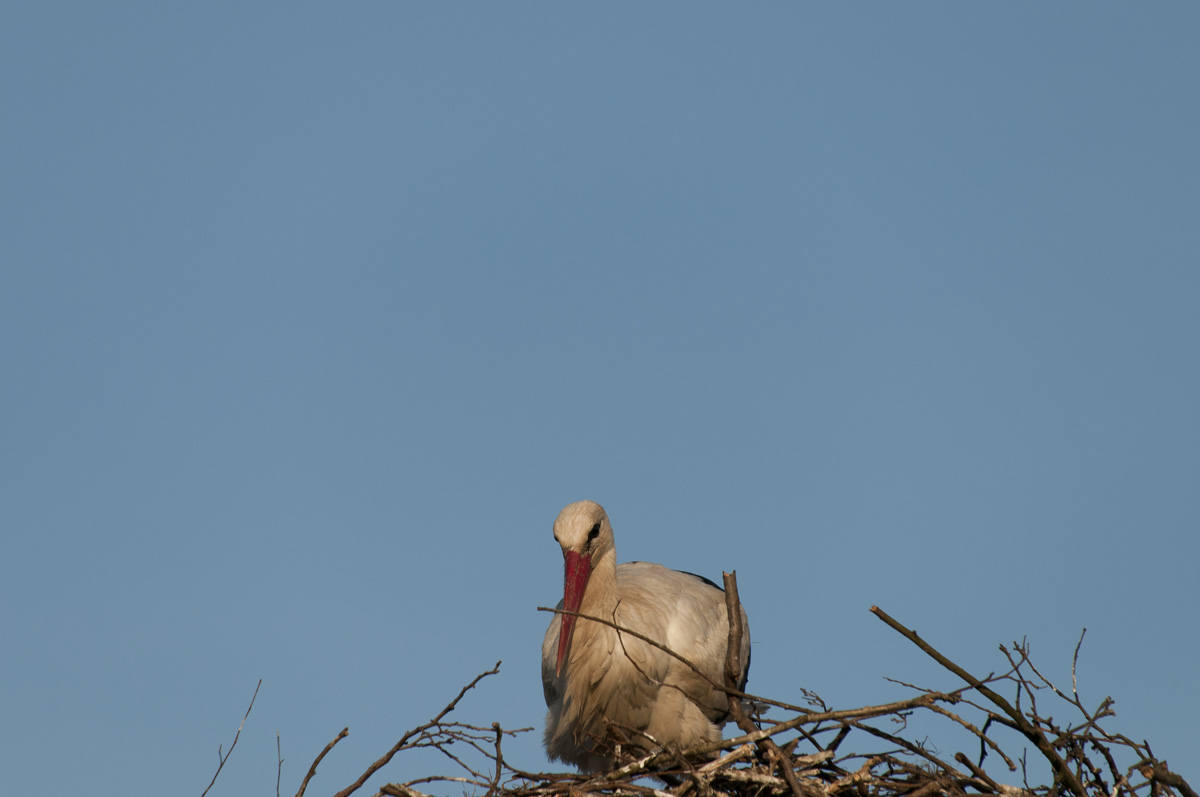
{"x": 606, "y": 689}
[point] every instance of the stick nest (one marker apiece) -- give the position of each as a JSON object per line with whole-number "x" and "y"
{"x": 1016, "y": 747}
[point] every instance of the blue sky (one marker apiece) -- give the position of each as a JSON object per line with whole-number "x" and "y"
{"x": 312, "y": 317}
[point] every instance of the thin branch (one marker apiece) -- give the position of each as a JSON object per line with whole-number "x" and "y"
{"x": 1031, "y": 732}
{"x": 224, "y": 758}
{"x": 499, "y": 759}
{"x": 984, "y": 741}
{"x": 400, "y": 745}
{"x": 312, "y": 770}
{"x": 1075, "y": 664}
{"x": 279, "y": 754}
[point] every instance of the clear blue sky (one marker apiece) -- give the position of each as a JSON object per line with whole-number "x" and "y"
{"x": 313, "y": 316}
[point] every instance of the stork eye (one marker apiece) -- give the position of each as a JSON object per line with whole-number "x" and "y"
{"x": 595, "y": 532}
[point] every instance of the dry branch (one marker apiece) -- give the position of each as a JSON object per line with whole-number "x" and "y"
{"x": 1031, "y": 732}
{"x": 418, "y": 736}
{"x": 312, "y": 770}
{"x": 221, "y": 759}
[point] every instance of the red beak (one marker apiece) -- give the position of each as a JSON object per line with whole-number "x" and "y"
{"x": 577, "y": 567}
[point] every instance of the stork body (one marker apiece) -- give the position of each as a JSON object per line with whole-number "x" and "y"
{"x": 604, "y": 688}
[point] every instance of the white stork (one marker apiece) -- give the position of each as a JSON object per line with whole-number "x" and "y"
{"x": 605, "y": 689}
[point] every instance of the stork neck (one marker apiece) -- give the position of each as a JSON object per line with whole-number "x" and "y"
{"x": 600, "y": 597}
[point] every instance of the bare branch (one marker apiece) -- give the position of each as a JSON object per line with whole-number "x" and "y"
{"x": 1030, "y": 731}
{"x": 312, "y": 770}
{"x": 400, "y": 745}
{"x": 279, "y": 755}
{"x": 223, "y": 758}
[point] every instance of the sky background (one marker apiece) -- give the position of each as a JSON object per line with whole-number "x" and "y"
{"x": 313, "y": 316}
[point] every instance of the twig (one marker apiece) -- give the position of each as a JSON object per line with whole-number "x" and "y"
{"x": 1031, "y": 732}
{"x": 279, "y": 754}
{"x": 312, "y": 770}
{"x": 499, "y": 759}
{"x": 223, "y": 758}
{"x": 984, "y": 741}
{"x": 1075, "y": 664}
{"x": 400, "y": 745}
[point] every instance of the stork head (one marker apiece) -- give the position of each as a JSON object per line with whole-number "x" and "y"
{"x": 583, "y": 531}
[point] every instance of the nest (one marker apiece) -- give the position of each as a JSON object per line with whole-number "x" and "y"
{"x": 818, "y": 751}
